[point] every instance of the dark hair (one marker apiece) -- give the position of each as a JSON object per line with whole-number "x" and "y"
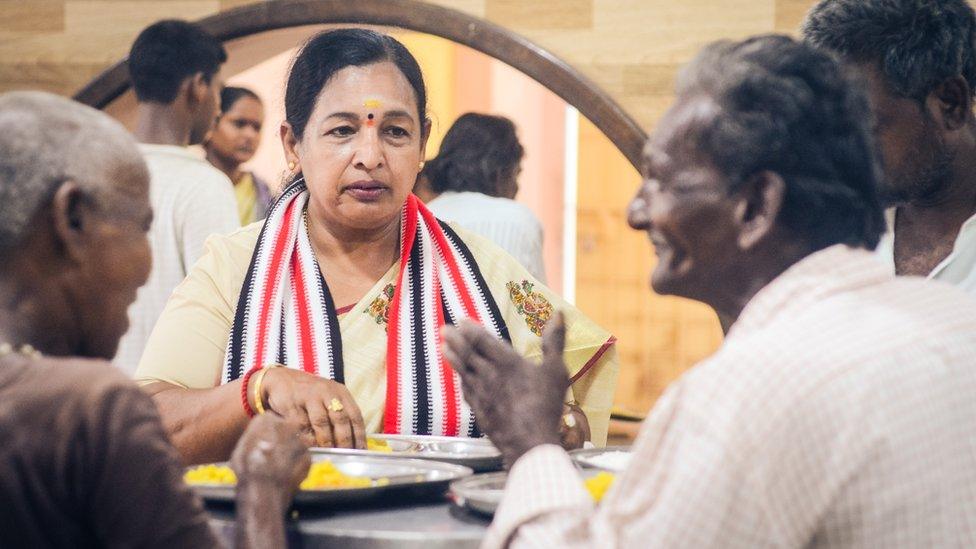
{"x": 786, "y": 107}
{"x": 917, "y": 43}
{"x": 477, "y": 153}
{"x": 231, "y": 94}
{"x": 331, "y": 51}
{"x": 167, "y": 53}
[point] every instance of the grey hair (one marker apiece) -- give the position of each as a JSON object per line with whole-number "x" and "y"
{"x": 788, "y": 108}
{"x": 46, "y": 140}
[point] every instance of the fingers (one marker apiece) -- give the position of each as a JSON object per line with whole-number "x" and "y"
{"x": 356, "y": 421}
{"x": 554, "y": 337}
{"x": 320, "y": 419}
{"x": 342, "y": 429}
{"x": 456, "y": 348}
{"x": 468, "y": 346}
{"x": 269, "y": 449}
{"x": 454, "y": 354}
{"x": 348, "y": 427}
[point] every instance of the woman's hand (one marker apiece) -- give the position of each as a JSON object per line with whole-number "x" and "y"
{"x": 323, "y": 410}
{"x": 574, "y": 429}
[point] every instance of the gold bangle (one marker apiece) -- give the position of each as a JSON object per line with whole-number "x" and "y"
{"x": 258, "y": 378}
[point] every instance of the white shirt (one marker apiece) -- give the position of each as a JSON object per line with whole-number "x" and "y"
{"x": 507, "y": 223}
{"x": 190, "y": 200}
{"x": 839, "y": 412}
{"x": 958, "y": 268}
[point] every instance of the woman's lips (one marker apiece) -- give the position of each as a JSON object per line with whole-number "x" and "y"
{"x": 366, "y": 191}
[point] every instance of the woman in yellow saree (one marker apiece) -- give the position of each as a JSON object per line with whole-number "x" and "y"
{"x": 346, "y": 230}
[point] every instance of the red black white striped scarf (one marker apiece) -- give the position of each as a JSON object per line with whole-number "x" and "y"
{"x": 285, "y": 314}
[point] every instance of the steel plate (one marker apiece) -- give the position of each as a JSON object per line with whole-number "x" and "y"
{"x": 477, "y": 453}
{"x": 408, "y": 479}
{"x": 483, "y": 493}
{"x": 583, "y": 457}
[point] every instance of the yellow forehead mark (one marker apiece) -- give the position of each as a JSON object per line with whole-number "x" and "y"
{"x": 372, "y": 103}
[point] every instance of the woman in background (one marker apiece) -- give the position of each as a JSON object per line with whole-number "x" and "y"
{"x": 473, "y": 182}
{"x": 233, "y": 141}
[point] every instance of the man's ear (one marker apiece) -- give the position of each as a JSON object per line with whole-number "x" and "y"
{"x": 951, "y": 101}
{"x": 71, "y": 214}
{"x": 199, "y": 89}
{"x": 289, "y": 143}
{"x": 760, "y": 201}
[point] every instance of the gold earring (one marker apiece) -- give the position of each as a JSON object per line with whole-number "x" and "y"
{"x": 291, "y": 166}
{"x": 422, "y": 165}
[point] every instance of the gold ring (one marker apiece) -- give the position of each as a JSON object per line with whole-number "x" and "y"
{"x": 569, "y": 420}
{"x": 335, "y": 405}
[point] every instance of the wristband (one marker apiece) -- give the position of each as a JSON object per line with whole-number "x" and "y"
{"x": 244, "y": 382}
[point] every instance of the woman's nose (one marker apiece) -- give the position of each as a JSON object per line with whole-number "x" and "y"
{"x": 369, "y": 153}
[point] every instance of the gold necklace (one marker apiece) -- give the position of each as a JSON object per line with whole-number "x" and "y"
{"x": 26, "y": 350}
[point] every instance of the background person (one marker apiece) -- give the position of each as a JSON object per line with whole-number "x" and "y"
{"x": 349, "y": 281}
{"x": 919, "y": 61}
{"x": 473, "y": 181}
{"x": 175, "y": 71}
{"x": 806, "y": 428}
{"x": 84, "y": 459}
{"x": 232, "y": 142}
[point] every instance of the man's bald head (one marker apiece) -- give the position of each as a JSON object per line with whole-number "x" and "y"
{"x": 47, "y": 140}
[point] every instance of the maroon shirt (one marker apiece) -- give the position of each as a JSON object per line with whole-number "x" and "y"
{"x": 84, "y": 461}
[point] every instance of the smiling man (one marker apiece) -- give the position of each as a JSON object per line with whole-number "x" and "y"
{"x": 839, "y": 410}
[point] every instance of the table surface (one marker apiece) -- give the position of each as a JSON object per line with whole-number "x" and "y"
{"x": 429, "y": 525}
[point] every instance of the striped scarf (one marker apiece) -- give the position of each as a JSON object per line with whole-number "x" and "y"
{"x": 285, "y": 314}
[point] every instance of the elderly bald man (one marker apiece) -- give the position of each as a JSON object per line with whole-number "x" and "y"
{"x": 84, "y": 459}
{"x": 839, "y": 411}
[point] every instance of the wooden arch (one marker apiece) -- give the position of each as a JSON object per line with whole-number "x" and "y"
{"x": 486, "y": 37}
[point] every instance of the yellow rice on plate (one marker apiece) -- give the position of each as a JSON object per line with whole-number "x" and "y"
{"x": 322, "y": 475}
{"x": 598, "y": 485}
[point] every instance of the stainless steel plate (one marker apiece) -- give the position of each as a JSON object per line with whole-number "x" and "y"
{"x": 584, "y": 457}
{"x": 408, "y": 478}
{"x": 483, "y": 493}
{"x": 477, "y": 453}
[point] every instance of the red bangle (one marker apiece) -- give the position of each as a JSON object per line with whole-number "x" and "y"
{"x": 244, "y": 383}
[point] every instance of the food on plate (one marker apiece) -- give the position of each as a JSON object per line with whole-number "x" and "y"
{"x": 376, "y": 445}
{"x": 210, "y": 474}
{"x": 598, "y": 485}
{"x": 322, "y": 475}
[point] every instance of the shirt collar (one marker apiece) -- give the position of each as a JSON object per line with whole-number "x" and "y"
{"x": 964, "y": 241}
{"x": 813, "y": 278}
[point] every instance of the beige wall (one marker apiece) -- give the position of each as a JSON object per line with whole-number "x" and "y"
{"x": 630, "y": 47}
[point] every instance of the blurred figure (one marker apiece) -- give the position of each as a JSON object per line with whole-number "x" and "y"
{"x": 473, "y": 181}
{"x": 175, "y": 70}
{"x": 918, "y": 58}
{"x": 232, "y": 142}
{"x": 84, "y": 459}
